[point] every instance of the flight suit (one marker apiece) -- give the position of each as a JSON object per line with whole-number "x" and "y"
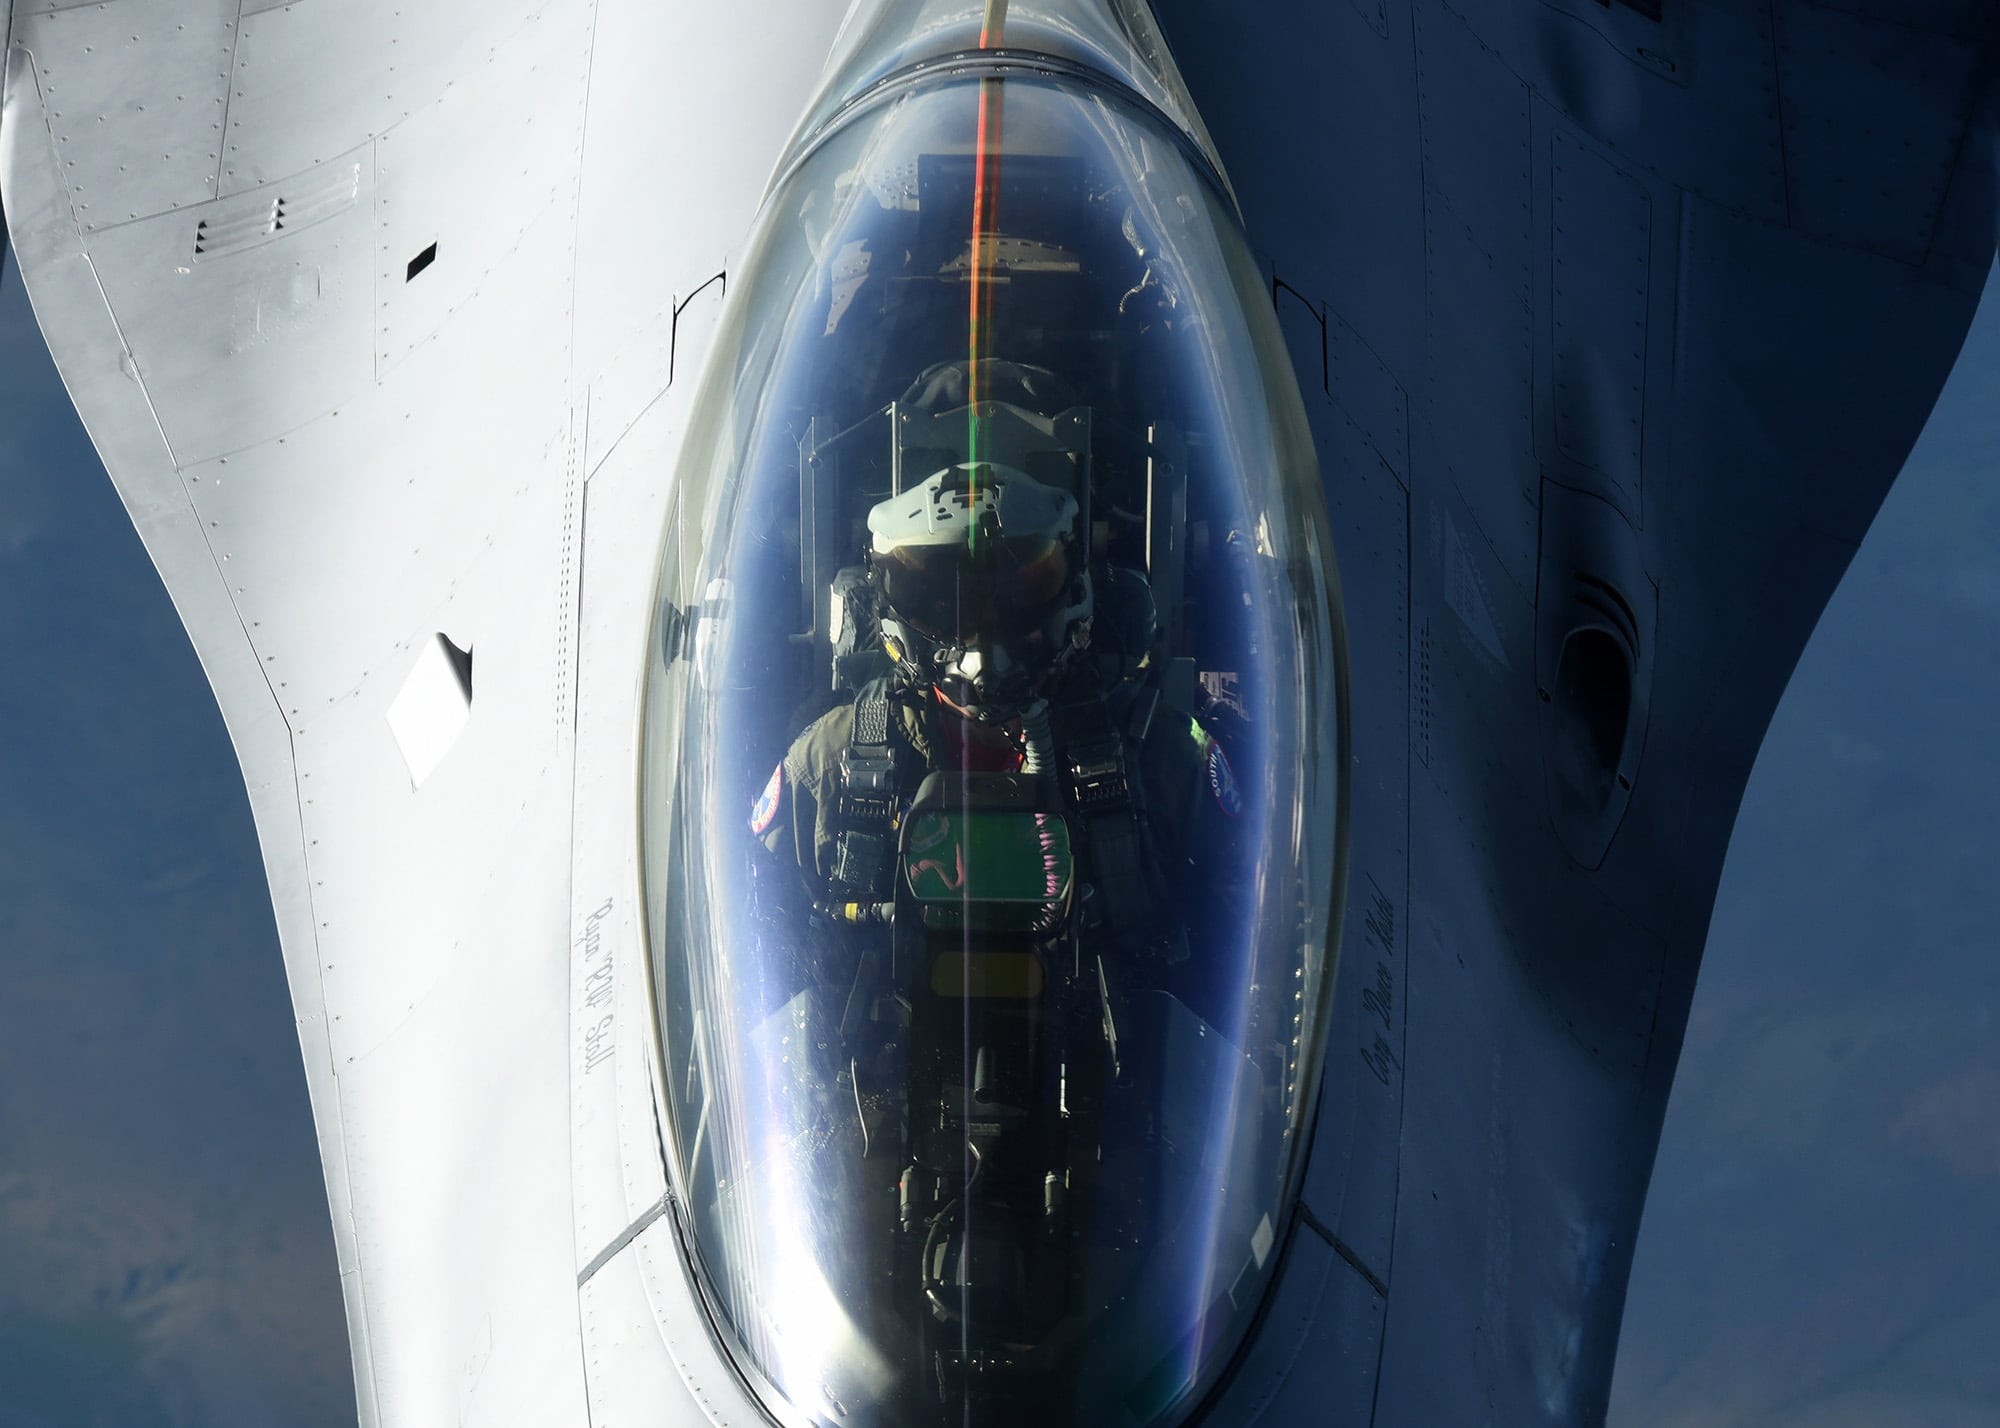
{"x": 1176, "y": 829}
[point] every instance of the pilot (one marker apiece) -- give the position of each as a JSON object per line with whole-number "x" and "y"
{"x": 1007, "y": 653}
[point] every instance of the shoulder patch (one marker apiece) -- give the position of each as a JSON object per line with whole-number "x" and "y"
{"x": 768, "y": 803}
{"x": 1222, "y": 781}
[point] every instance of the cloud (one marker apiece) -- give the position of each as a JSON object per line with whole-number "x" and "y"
{"x": 16, "y": 536}
{"x": 81, "y": 1371}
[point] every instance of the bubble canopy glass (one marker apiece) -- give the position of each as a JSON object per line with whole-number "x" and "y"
{"x": 1012, "y": 1134}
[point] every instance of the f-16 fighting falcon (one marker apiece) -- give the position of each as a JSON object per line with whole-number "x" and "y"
{"x": 996, "y": 711}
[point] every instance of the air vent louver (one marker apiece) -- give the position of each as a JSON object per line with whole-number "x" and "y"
{"x": 232, "y": 225}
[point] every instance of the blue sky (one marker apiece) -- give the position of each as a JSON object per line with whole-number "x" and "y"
{"x": 1816, "y": 1250}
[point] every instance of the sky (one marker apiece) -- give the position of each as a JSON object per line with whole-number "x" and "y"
{"x": 1817, "y": 1247}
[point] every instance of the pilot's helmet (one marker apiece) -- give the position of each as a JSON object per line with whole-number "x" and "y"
{"x": 982, "y": 584}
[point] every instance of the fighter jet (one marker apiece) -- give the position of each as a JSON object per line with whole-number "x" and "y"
{"x": 994, "y": 712}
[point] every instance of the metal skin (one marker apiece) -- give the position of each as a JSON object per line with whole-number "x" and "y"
{"x": 1614, "y": 328}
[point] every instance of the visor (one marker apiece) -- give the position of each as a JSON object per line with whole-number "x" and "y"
{"x": 958, "y": 595}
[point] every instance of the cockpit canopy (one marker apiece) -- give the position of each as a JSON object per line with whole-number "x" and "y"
{"x": 991, "y": 808}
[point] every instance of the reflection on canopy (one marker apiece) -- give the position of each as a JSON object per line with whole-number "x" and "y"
{"x": 991, "y": 801}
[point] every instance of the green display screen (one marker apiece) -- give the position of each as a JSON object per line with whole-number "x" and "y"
{"x": 988, "y": 868}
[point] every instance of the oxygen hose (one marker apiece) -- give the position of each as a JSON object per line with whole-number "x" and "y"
{"x": 1038, "y": 748}
{"x": 940, "y": 1224}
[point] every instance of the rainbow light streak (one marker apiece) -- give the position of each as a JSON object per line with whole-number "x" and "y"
{"x": 979, "y": 343}
{"x": 985, "y": 226}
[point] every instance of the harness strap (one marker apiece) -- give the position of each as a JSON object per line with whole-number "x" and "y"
{"x": 1098, "y": 782}
{"x": 870, "y": 800}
